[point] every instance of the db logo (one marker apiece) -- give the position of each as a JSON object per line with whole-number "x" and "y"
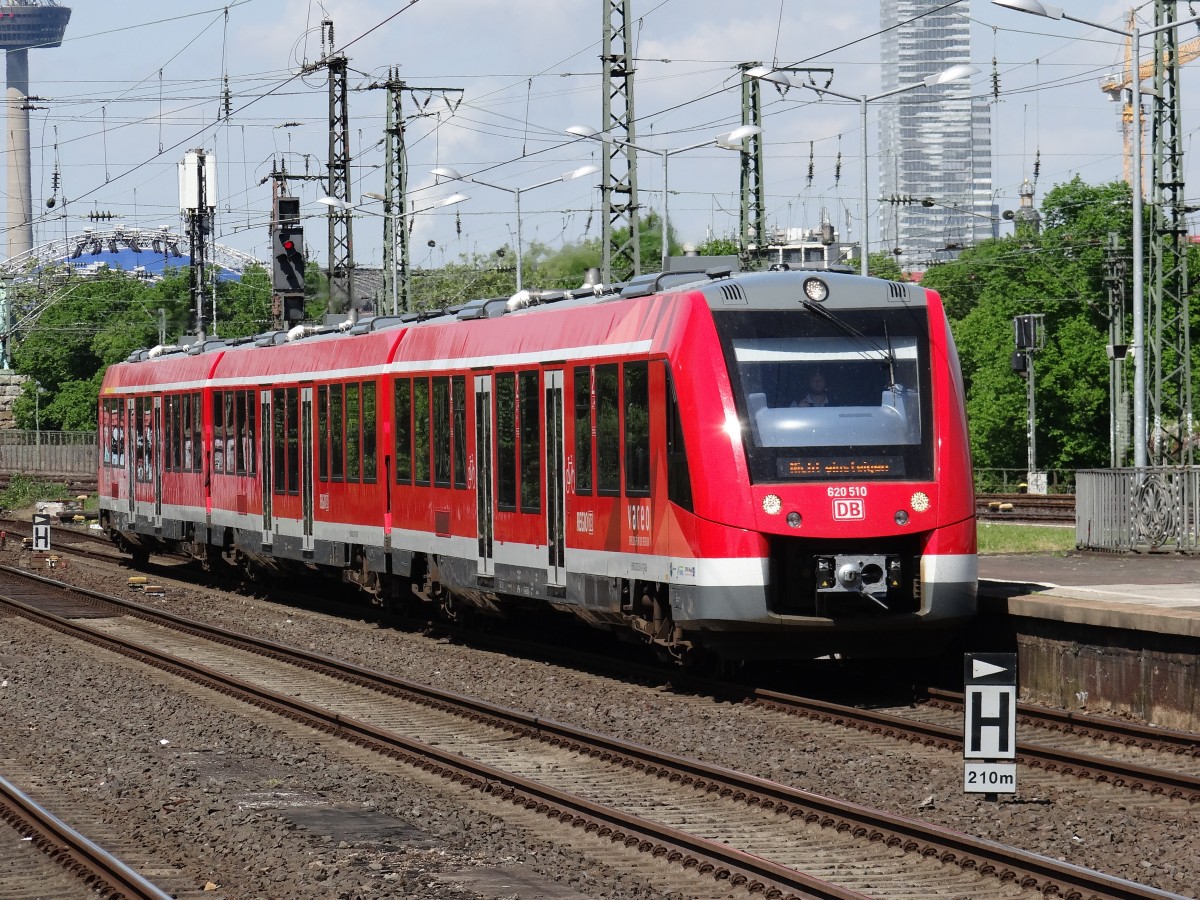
{"x": 849, "y": 509}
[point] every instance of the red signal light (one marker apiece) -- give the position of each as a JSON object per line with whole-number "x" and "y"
{"x": 289, "y": 246}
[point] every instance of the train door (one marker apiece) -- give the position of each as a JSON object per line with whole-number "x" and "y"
{"x": 556, "y": 523}
{"x": 265, "y": 435}
{"x": 306, "y": 465}
{"x": 131, "y": 454}
{"x": 483, "y": 472}
{"x": 155, "y": 442}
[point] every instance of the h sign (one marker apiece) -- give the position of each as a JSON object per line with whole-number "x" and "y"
{"x": 990, "y": 703}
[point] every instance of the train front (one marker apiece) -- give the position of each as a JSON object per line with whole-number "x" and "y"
{"x": 842, "y": 478}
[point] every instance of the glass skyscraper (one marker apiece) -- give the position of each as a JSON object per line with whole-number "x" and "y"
{"x": 934, "y": 143}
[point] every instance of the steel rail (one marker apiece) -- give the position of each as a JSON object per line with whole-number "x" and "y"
{"x": 107, "y": 876}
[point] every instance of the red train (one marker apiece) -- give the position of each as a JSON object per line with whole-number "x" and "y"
{"x": 659, "y": 461}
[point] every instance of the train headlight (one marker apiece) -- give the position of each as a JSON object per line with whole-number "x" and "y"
{"x": 901, "y": 517}
{"x": 772, "y": 504}
{"x": 919, "y": 501}
{"x": 816, "y": 290}
{"x": 793, "y": 519}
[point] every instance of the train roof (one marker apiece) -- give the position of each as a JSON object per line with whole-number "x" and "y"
{"x": 390, "y": 342}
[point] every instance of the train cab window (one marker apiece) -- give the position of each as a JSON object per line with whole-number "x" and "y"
{"x": 323, "y": 433}
{"x": 458, "y": 401}
{"x": 368, "y": 432}
{"x": 402, "y": 405}
{"x": 337, "y": 433}
{"x": 441, "y": 431}
{"x": 506, "y": 441}
{"x": 608, "y": 435}
{"x": 583, "y": 431}
{"x": 421, "y": 431}
{"x": 353, "y": 435}
{"x": 679, "y": 479}
{"x": 637, "y": 429}
{"x": 531, "y": 443}
{"x": 845, "y": 394}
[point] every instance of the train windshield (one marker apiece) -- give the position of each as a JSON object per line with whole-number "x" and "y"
{"x": 840, "y": 395}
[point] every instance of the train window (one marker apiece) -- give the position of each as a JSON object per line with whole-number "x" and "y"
{"x": 244, "y": 418}
{"x": 531, "y": 441}
{"x": 114, "y": 445}
{"x": 196, "y": 458}
{"x": 279, "y": 440}
{"x": 608, "y": 437}
{"x": 293, "y": 440}
{"x": 679, "y": 480}
{"x": 441, "y": 431}
{"x": 841, "y": 395}
{"x": 637, "y": 429}
{"x": 323, "y": 433}
{"x": 458, "y": 400}
{"x": 583, "y": 431}
{"x": 337, "y": 432}
{"x": 218, "y": 431}
{"x": 506, "y": 441}
{"x": 230, "y": 433}
{"x": 139, "y": 439}
{"x": 353, "y": 435}
{"x": 421, "y": 431}
{"x": 403, "y": 410}
{"x": 171, "y": 429}
{"x": 368, "y": 431}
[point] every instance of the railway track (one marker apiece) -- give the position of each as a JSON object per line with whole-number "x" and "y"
{"x": 743, "y": 830}
{"x": 96, "y": 870}
{"x": 1044, "y": 509}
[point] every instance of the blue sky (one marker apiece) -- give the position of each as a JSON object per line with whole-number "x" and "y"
{"x": 138, "y": 76}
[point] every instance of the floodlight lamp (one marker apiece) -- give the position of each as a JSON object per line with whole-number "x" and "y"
{"x": 335, "y": 202}
{"x": 954, "y": 73}
{"x": 1033, "y": 7}
{"x": 740, "y": 134}
{"x": 580, "y": 172}
{"x": 447, "y": 172}
{"x": 452, "y": 199}
{"x": 766, "y": 73}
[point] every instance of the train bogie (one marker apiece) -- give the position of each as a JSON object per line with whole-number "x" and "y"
{"x": 667, "y": 465}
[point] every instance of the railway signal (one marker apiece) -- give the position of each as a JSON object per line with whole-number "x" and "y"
{"x": 288, "y": 271}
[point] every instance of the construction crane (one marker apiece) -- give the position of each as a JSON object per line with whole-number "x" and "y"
{"x": 1116, "y": 84}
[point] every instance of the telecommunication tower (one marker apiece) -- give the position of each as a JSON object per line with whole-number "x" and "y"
{"x": 24, "y": 26}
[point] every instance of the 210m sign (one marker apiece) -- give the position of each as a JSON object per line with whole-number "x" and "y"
{"x": 990, "y": 778}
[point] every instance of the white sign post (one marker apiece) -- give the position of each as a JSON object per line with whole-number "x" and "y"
{"x": 990, "y": 723}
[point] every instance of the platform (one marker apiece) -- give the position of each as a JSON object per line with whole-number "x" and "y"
{"x": 1109, "y": 633}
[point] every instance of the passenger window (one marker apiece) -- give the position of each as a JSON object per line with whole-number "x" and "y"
{"x": 637, "y": 429}
{"x": 421, "y": 430}
{"x": 323, "y": 433}
{"x": 368, "y": 431}
{"x": 337, "y": 433}
{"x": 583, "y": 431}
{"x": 353, "y": 435}
{"x": 506, "y": 441}
{"x": 608, "y": 435}
{"x": 441, "y": 431}
{"x": 458, "y": 390}
{"x": 403, "y": 411}
{"x": 531, "y": 442}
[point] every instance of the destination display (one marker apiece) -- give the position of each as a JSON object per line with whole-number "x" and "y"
{"x": 840, "y": 466}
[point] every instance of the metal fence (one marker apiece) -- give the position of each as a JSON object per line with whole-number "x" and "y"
{"x": 1138, "y": 509}
{"x": 49, "y": 455}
